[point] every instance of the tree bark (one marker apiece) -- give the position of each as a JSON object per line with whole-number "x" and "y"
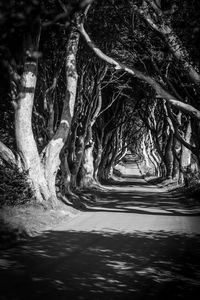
{"x": 87, "y": 168}
{"x": 78, "y": 155}
{"x": 97, "y": 159}
{"x": 25, "y": 141}
{"x": 169, "y": 158}
{"x": 7, "y": 155}
{"x": 176, "y": 163}
{"x": 51, "y": 154}
{"x": 154, "y": 156}
{"x": 160, "y": 91}
{"x": 148, "y": 163}
{"x": 185, "y": 160}
{"x": 165, "y": 29}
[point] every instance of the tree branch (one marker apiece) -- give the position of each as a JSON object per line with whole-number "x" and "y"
{"x": 7, "y": 155}
{"x": 160, "y": 91}
{"x": 170, "y": 37}
{"x": 178, "y": 134}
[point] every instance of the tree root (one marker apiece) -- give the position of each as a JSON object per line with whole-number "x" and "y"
{"x": 72, "y": 200}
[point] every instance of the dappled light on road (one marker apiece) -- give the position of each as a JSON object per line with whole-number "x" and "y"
{"x": 132, "y": 241}
{"x": 102, "y": 265}
{"x": 132, "y": 194}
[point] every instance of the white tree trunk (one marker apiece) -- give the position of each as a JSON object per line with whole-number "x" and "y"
{"x": 88, "y": 173}
{"x": 87, "y": 167}
{"x": 25, "y": 141}
{"x": 145, "y": 154}
{"x": 51, "y": 154}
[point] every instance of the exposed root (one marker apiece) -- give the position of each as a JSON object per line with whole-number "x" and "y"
{"x": 78, "y": 204}
{"x": 72, "y": 200}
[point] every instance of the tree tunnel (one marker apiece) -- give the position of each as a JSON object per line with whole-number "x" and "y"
{"x": 89, "y": 81}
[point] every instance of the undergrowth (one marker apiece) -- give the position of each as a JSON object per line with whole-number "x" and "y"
{"x": 191, "y": 178}
{"x": 14, "y": 186}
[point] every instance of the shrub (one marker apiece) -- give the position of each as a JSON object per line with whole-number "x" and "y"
{"x": 191, "y": 177}
{"x": 14, "y": 186}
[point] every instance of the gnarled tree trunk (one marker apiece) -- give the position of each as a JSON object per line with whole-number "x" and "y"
{"x": 169, "y": 157}
{"x": 185, "y": 160}
{"x": 25, "y": 141}
{"x": 87, "y": 167}
{"x": 50, "y": 156}
{"x": 43, "y": 168}
{"x": 97, "y": 159}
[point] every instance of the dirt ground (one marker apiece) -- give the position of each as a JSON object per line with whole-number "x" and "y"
{"x": 20, "y": 222}
{"x": 134, "y": 240}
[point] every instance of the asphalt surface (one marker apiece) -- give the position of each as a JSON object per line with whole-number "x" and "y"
{"x": 137, "y": 241}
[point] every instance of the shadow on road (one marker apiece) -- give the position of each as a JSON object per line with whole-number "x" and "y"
{"x": 102, "y": 265}
{"x": 132, "y": 194}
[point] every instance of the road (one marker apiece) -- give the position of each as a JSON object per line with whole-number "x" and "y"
{"x": 137, "y": 241}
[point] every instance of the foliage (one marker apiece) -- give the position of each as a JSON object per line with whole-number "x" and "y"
{"x": 191, "y": 177}
{"x": 14, "y": 186}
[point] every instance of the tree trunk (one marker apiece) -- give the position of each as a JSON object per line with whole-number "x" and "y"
{"x": 176, "y": 163}
{"x": 145, "y": 156}
{"x": 43, "y": 169}
{"x": 169, "y": 158}
{"x": 161, "y": 163}
{"x": 97, "y": 159}
{"x": 104, "y": 166}
{"x": 185, "y": 160}
{"x": 112, "y": 160}
{"x": 153, "y": 155}
{"x": 87, "y": 167}
{"x": 25, "y": 141}
{"x": 51, "y": 154}
{"x": 121, "y": 155}
{"x": 66, "y": 175}
{"x": 78, "y": 155}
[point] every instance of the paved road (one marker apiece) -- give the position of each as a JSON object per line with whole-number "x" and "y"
{"x": 137, "y": 241}
{"x": 132, "y": 204}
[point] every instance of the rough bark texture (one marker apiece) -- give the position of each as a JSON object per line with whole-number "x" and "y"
{"x": 66, "y": 175}
{"x": 160, "y": 91}
{"x": 145, "y": 155}
{"x": 87, "y": 169}
{"x": 25, "y": 141}
{"x": 185, "y": 160}
{"x": 165, "y": 29}
{"x": 169, "y": 158}
{"x": 7, "y": 155}
{"x": 51, "y": 154}
{"x": 78, "y": 156}
{"x": 89, "y": 166}
{"x": 97, "y": 160}
{"x": 176, "y": 163}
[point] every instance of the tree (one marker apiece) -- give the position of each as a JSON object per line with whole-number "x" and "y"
{"x": 84, "y": 104}
{"x": 42, "y": 168}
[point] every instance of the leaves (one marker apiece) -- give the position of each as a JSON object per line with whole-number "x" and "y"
{"x": 14, "y": 186}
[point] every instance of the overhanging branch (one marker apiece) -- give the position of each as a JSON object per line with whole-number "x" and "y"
{"x": 7, "y": 155}
{"x": 160, "y": 91}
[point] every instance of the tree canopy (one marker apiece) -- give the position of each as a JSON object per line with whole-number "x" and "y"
{"x": 83, "y": 82}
